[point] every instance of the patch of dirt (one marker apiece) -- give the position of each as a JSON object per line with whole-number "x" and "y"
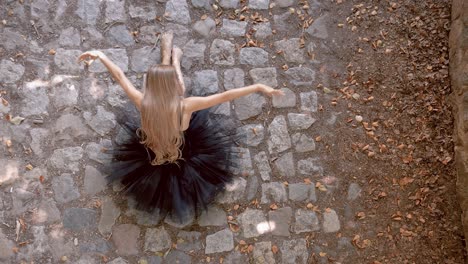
{"x": 398, "y": 82}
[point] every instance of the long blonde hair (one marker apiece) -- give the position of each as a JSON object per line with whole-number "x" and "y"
{"x": 161, "y": 115}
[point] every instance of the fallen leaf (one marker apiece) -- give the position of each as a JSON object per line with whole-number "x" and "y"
{"x": 307, "y": 181}
{"x": 29, "y": 167}
{"x": 274, "y": 249}
{"x": 273, "y": 207}
{"x": 52, "y": 52}
{"x": 41, "y": 179}
{"x": 5, "y": 102}
{"x": 405, "y": 181}
{"x": 17, "y": 120}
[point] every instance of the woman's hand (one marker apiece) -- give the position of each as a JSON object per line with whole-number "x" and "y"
{"x": 269, "y": 91}
{"x": 90, "y": 56}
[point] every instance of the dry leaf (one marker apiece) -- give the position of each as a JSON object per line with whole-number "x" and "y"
{"x": 273, "y": 207}
{"x": 17, "y": 120}
{"x": 307, "y": 181}
{"x": 274, "y": 249}
{"x": 5, "y": 102}
{"x": 41, "y": 179}
{"x": 52, "y": 52}
{"x": 29, "y": 167}
{"x": 405, "y": 181}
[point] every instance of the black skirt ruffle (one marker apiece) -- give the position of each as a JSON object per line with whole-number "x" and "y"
{"x": 178, "y": 190}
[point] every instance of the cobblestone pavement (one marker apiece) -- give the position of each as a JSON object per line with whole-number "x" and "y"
{"x": 291, "y": 201}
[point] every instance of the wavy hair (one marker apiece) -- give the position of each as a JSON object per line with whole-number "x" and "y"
{"x": 161, "y": 115}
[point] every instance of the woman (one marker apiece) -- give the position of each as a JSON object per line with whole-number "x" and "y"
{"x": 175, "y": 161}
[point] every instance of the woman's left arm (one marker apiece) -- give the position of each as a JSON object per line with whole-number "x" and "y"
{"x": 135, "y": 96}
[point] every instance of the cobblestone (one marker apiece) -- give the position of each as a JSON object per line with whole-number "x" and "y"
{"x": 71, "y": 113}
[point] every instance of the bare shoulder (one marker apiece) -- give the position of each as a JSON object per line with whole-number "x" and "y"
{"x": 190, "y": 104}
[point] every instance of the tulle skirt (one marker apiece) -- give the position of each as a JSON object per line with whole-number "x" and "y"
{"x": 179, "y": 190}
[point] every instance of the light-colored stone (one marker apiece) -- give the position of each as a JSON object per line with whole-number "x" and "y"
{"x": 144, "y": 58}
{"x": 253, "y": 56}
{"x": 286, "y": 100}
{"x": 265, "y": 76}
{"x": 279, "y": 139}
{"x": 234, "y": 192}
{"x": 66, "y": 61}
{"x": 205, "y": 27}
{"x": 249, "y": 106}
{"x": 285, "y": 165}
{"x": 233, "y": 28}
{"x": 233, "y": 78}
{"x": 302, "y": 192}
{"x": 66, "y": 159}
{"x": 118, "y": 56}
{"x": 94, "y": 181}
{"x": 214, "y": 216}
{"x": 221, "y": 241}
{"x": 300, "y": 76}
{"x": 291, "y": 50}
{"x": 300, "y": 121}
{"x": 251, "y": 135}
{"x": 294, "y": 251}
{"x": 125, "y": 238}
{"x": 263, "y": 165}
{"x": 64, "y": 189}
{"x": 205, "y": 82}
{"x": 318, "y": 28}
{"x": 222, "y": 52}
{"x": 262, "y": 253}
{"x": 109, "y": 213}
{"x": 303, "y": 143}
{"x": 10, "y": 171}
{"x": 157, "y": 239}
{"x": 262, "y": 30}
{"x": 88, "y": 11}
{"x": 331, "y": 222}
{"x": 103, "y": 122}
{"x": 354, "y": 191}
{"x": 115, "y": 11}
{"x": 306, "y": 221}
{"x": 280, "y": 221}
{"x": 177, "y": 11}
{"x": 253, "y": 223}
{"x": 259, "y": 4}
{"x": 273, "y": 192}
{"x": 309, "y": 167}
{"x": 309, "y": 101}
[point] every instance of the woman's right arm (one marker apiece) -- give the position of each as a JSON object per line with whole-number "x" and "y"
{"x": 193, "y": 104}
{"x": 135, "y": 96}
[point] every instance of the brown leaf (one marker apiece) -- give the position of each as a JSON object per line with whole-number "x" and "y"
{"x": 52, "y": 52}
{"x": 5, "y": 102}
{"x": 205, "y": 16}
{"x": 307, "y": 181}
{"x": 250, "y": 248}
{"x": 405, "y": 181}
{"x": 41, "y": 179}
{"x": 273, "y": 207}
{"x": 236, "y": 207}
{"x": 29, "y": 167}
{"x": 361, "y": 215}
{"x": 274, "y": 249}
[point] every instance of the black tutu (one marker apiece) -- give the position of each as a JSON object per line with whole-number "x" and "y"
{"x": 179, "y": 190}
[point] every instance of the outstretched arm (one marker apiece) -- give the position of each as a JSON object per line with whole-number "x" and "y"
{"x": 193, "y": 104}
{"x": 135, "y": 96}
